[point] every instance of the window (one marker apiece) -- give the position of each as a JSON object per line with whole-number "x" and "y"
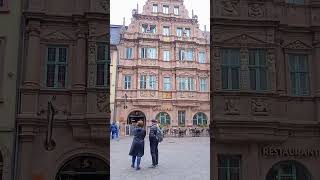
{"x": 186, "y": 84}
{"x": 144, "y": 53}
{"x": 56, "y": 67}
{"x": 299, "y": 74}
{"x": 153, "y": 29}
{"x": 189, "y": 55}
{"x": 129, "y": 53}
{"x": 102, "y": 65}
{"x": 155, "y": 8}
{"x": 166, "y": 83}
{"x": 202, "y": 57}
{"x": 301, "y": 2}
{"x": 200, "y": 119}
{"x": 258, "y": 69}
{"x": 166, "y": 55}
{"x": 181, "y": 118}
{"x": 187, "y": 32}
{"x": 176, "y": 10}
{"x": 166, "y": 31}
{"x": 127, "y": 82}
{"x": 203, "y": 85}
{"x": 144, "y": 28}
{"x": 288, "y": 170}
{"x": 163, "y": 118}
{"x": 150, "y": 53}
{"x": 230, "y": 69}
{"x": 182, "y": 55}
{"x": 229, "y": 167}
{"x": 148, "y": 82}
{"x": 165, "y": 9}
{"x": 179, "y": 32}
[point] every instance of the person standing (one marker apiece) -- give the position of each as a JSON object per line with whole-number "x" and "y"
{"x": 137, "y": 147}
{"x": 154, "y": 143}
{"x": 113, "y": 130}
{"x": 118, "y": 130}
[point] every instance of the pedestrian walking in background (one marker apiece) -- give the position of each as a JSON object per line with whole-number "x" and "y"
{"x": 137, "y": 147}
{"x": 114, "y": 130}
{"x": 118, "y": 130}
{"x": 155, "y": 136}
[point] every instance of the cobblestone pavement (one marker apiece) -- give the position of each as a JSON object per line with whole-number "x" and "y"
{"x": 185, "y": 158}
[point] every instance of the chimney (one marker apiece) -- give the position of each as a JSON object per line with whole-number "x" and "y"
{"x": 124, "y": 21}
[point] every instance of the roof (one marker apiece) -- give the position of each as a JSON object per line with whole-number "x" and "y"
{"x": 115, "y": 31}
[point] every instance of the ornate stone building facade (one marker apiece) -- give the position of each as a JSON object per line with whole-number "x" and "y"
{"x": 64, "y": 110}
{"x": 163, "y": 67}
{"x": 10, "y": 11}
{"x": 265, "y": 85}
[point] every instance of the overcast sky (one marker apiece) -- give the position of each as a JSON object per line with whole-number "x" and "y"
{"x": 123, "y": 8}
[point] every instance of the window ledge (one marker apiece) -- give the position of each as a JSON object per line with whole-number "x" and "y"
{"x": 4, "y": 10}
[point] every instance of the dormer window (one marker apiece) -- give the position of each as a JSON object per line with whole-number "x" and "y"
{"x": 176, "y": 10}
{"x": 165, "y": 9}
{"x": 155, "y": 8}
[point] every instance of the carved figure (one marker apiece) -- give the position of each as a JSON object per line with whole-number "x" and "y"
{"x": 255, "y": 10}
{"x": 259, "y": 105}
{"x": 229, "y": 8}
{"x": 230, "y": 106}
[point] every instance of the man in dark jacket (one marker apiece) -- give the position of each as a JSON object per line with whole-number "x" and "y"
{"x": 154, "y": 142}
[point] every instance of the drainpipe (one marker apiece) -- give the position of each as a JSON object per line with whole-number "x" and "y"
{"x": 18, "y": 99}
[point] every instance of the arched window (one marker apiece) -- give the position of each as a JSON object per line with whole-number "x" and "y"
{"x": 1, "y": 166}
{"x": 163, "y": 118}
{"x": 288, "y": 170}
{"x": 200, "y": 119}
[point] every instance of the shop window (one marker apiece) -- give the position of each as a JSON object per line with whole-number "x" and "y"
{"x": 288, "y": 170}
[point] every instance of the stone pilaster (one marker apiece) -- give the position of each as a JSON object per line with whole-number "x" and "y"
{"x": 215, "y": 65}
{"x": 79, "y": 75}
{"x": 280, "y": 68}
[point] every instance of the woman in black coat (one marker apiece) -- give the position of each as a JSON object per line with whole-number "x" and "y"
{"x": 137, "y": 147}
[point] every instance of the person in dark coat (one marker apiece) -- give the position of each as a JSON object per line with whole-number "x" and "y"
{"x": 114, "y": 130}
{"x": 137, "y": 147}
{"x": 154, "y": 143}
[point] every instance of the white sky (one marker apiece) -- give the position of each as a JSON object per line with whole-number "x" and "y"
{"x": 123, "y": 8}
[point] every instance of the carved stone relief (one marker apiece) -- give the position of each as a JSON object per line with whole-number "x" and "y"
{"x": 297, "y": 45}
{"x": 255, "y": 10}
{"x": 147, "y": 93}
{"x": 230, "y": 8}
{"x": 231, "y": 106}
{"x": 103, "y": 104}
{"x": 259, "y": 106}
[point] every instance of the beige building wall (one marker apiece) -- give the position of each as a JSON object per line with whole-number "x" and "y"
{"x": 113, "y": 80}
{"x": 10, "y": 22}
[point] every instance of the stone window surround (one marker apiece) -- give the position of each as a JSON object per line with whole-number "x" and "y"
{"x": 5, "y": 7}
{"x": 2, "y": 56}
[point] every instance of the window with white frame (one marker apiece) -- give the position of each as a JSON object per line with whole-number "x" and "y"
{"x": 144, "y": 28}
{"x": 129, "y": 54}
{"x": 181, "y": 118}
{"x": 166, "y": 55}
{"x": 189, "y": 55}
{"x": 155, "y": 8}
{"x": 258, "y": 69}
{"x": 153, "y": 29}
{"x": 187, "y": 32}
{"x": 186, "y": 83}
{"x": 230, "y": 69}
{"x": 229, "y": 167}
{"x": 200, "y": 119}
{"x": 165, "y": 9}
{"x": 182, "y": 54}
{"x": 179, "y": 32}
{"x": 127, "y": 82}
{"x": 150, "y": 53}
{"x": 203, "y": 85}
{"x": 167, "y": 83}
{"x": 148, "y": 82}
{"x": 299, "y": 74}
{"x": 56, "y": 69}
{"x": 186, "y": 54}
{"x": 176, "y": 10}
{"x": 202, "y": 57}
{"x": 102, "y": 64}
{"x": 166, "y": 30}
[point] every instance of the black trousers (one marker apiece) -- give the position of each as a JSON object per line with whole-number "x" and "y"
{"x": 154, "y": 152}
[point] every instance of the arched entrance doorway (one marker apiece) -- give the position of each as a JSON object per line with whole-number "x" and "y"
{"x": 84, "y": 168}
{"x": 288, "y": 170}
{"x": 132, "y": 119}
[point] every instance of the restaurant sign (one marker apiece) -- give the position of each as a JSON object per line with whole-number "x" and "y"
{"x": 271, "y": 151}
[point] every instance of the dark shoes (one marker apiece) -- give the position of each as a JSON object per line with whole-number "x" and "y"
{"x": 138, "y": 168}
{"x": 132, "y": 165}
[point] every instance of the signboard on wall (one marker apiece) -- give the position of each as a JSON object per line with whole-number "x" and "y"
{"x": 272, "y": 151}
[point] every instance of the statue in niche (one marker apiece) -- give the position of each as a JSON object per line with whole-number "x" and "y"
{"x": 230, "y": 106}
{"x": 255, "y": 10}
{"x": 229, "y": 8}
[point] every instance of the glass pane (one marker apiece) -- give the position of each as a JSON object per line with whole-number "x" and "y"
{"x": 253, "y": 79}
{"x": 100, "y": 74}
{"x": 62, "y": 54}
{"x": 303, "y": 65}
{"x": 51, "y": 54}
{"x": 263, "y": 79}
{"x": 292, "y": 62}
{"x": 294, "y": 83}
{"x": 234, "y": 174}
{"x": 262, "y": 57}
{"x": 252, "y": 57}
{"x": 235, "y": 78}
{"x": 101, "y": 51}
{"x": 304, "y": 83}
{"x": 223, "y": 174}
{"x": 50, "y": 75}
{"x": 225, "y": 78}
{"x": 61, "y": 76}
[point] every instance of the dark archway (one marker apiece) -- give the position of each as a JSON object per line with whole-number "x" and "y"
{"x": 135, "y": 116}
{"x": 288, "y": 170}
{"x": 84, "y": 168}
{"x": 200, "y": 119}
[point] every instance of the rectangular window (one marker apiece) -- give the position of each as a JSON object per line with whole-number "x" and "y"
{"x": 179, "y": 32}
{"x": 187, "y": 32}
{"x": 152, "y": 53}
{"x": 300, "y": 2}
{"x": 229, "y": 167}
{"x": 148, "y": 82}
{"x": 166, "y": 83}
{"x": 56, "y": 67}
{"x": 299, "y": 74}
{"x": 202, "y": 57}
{"x": 153, "y": 29}
{"x": 127, "y": 82}
{"x": 166, "y": 55}
{"x": 143, "y": 53}
{"x": 182, "y": 84}
{"x": 155, "y": 8}
{"x": 189, "y": 55}
{"x": 182, "y": 54}
{"x": 166, "y": 31}
{"x": 144, "y": 28}
{"x": 258, "y": 69}
{"x": 153, "y": 82}
{"x": 176, "y": 10}
{"x": 143, "y": 82}
{"x": 186, "y": 83}
{"x": 203, "y": 85}
{"x": 231, "y": 69}
{"x": 190, "y": 84}
{"x": 129, "y": 53}
{"x": 165, "y": 9}
{"x": 102, "y": 65}
{"x": 181, "y": 117}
